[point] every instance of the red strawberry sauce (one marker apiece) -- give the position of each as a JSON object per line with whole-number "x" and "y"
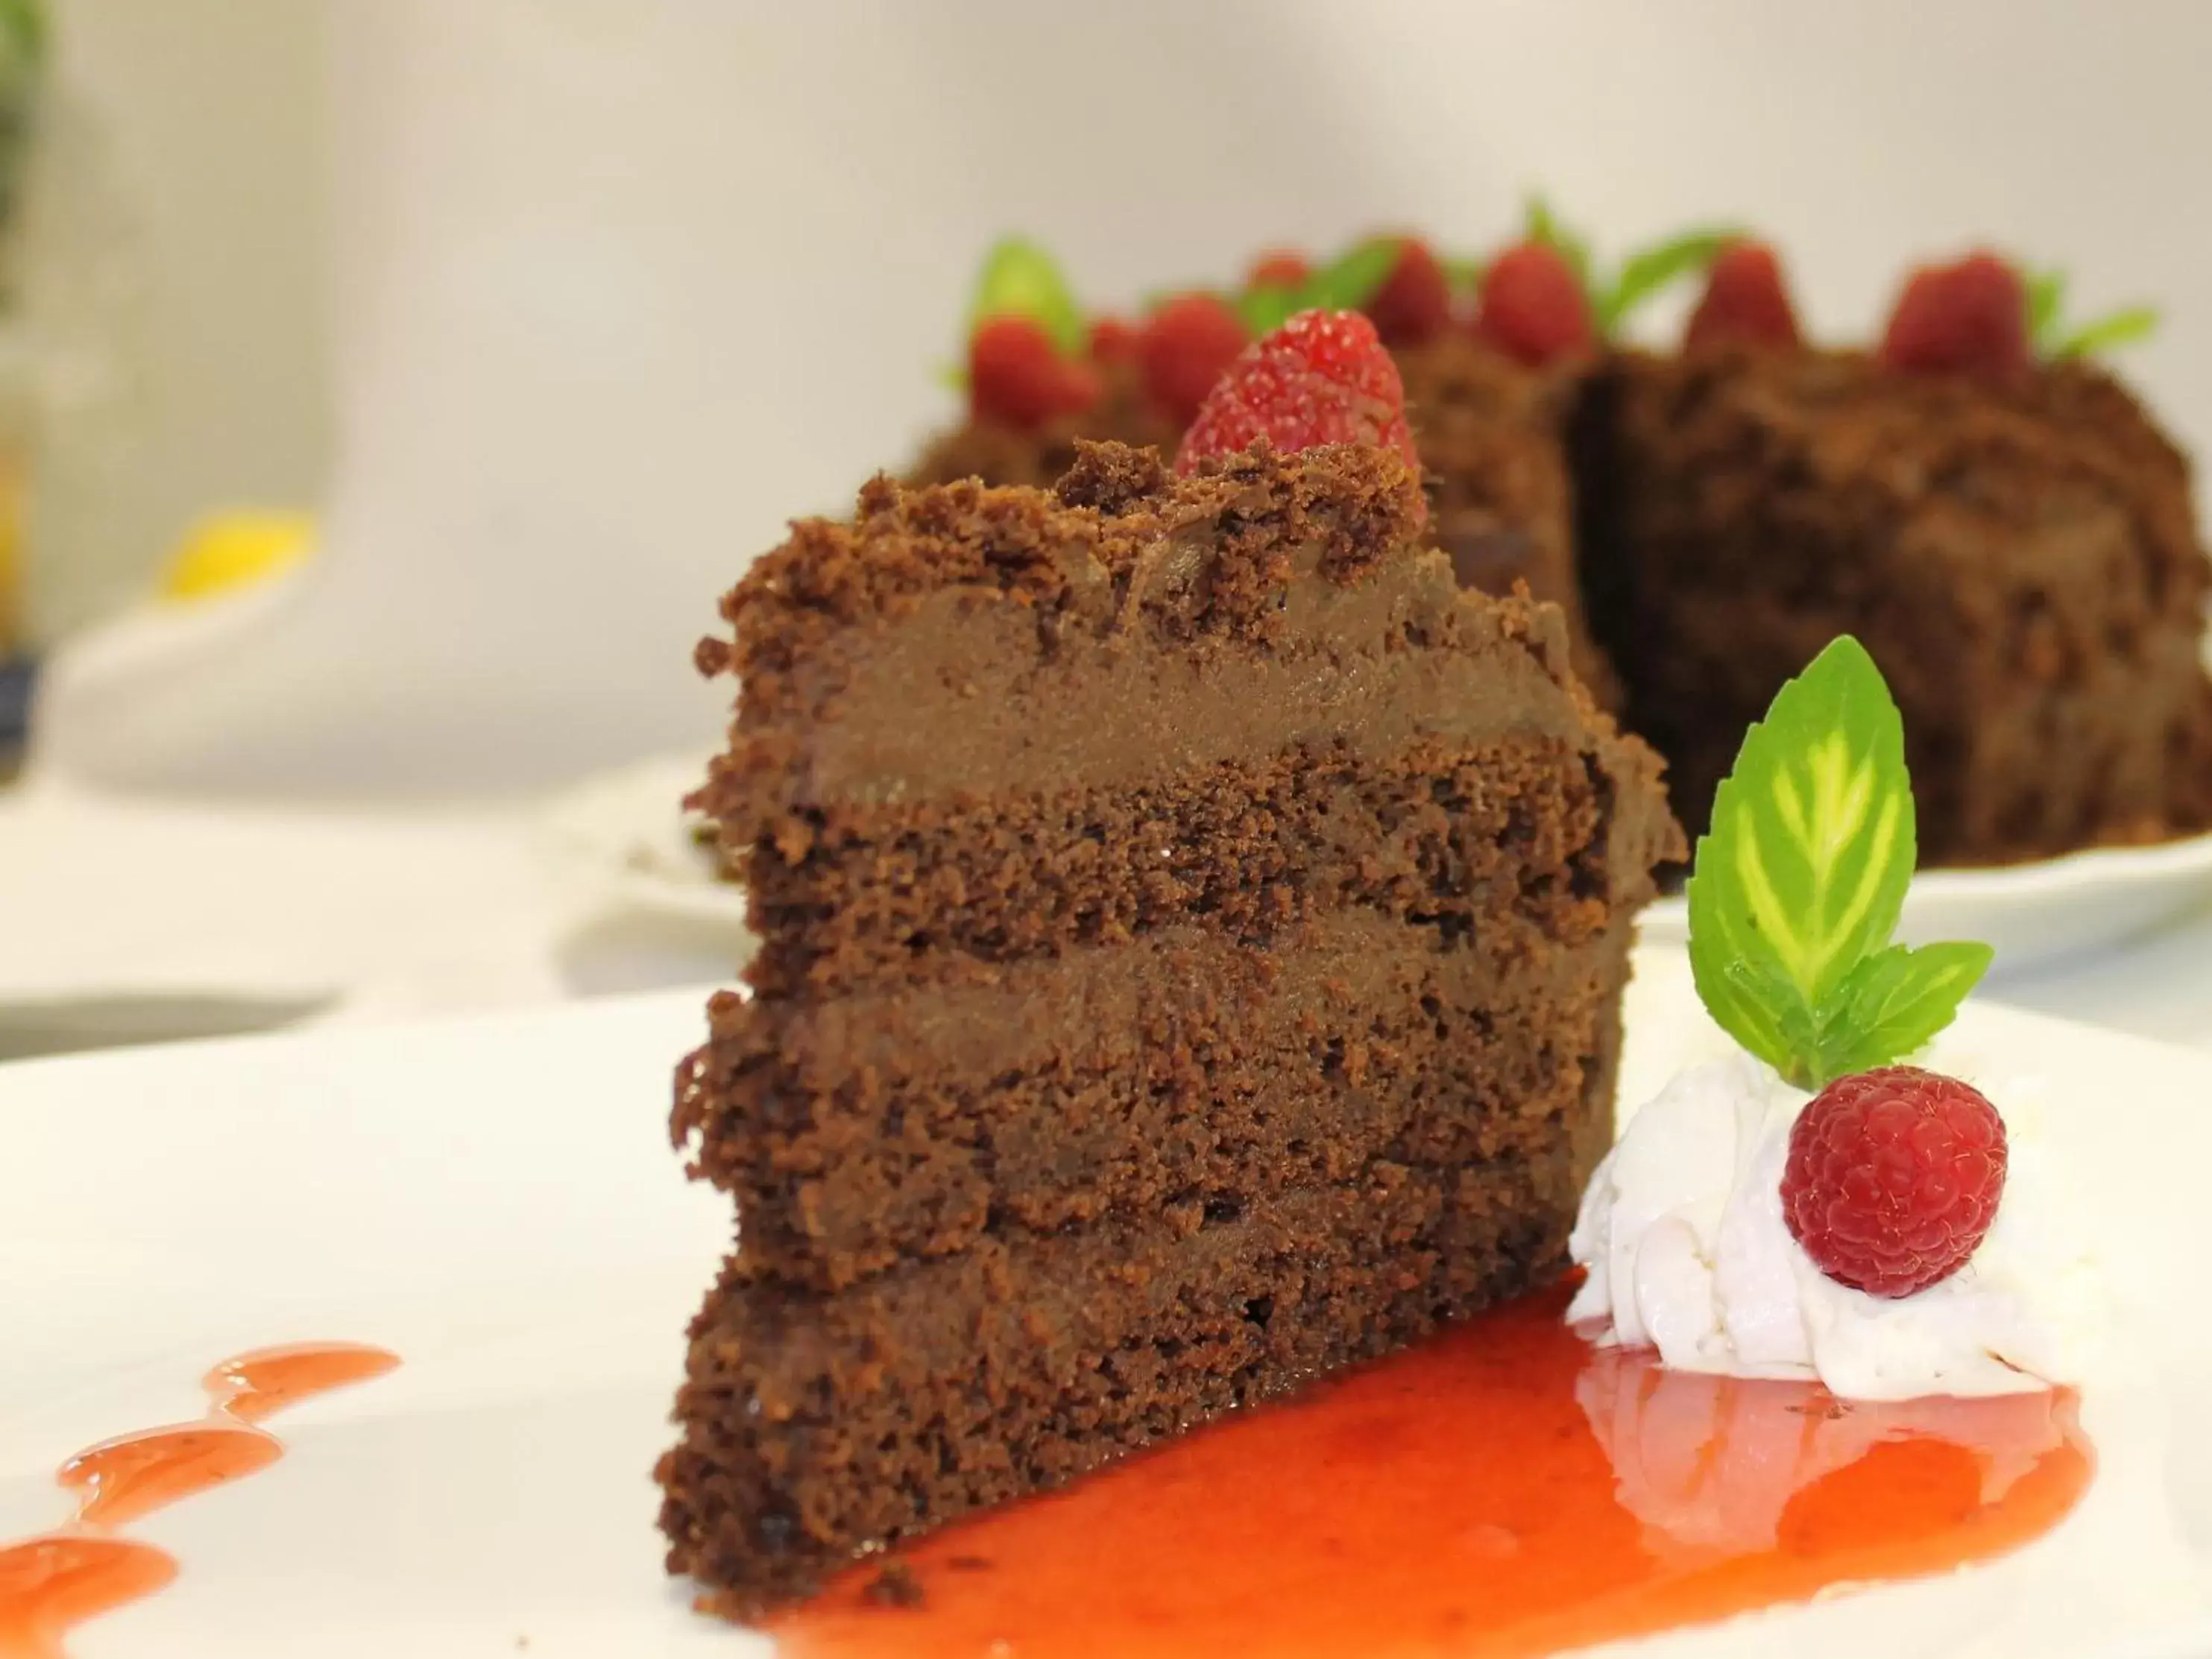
{"x": 1505, "y": 1489}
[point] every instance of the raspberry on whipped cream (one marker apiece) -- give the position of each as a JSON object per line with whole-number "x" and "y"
{"x": 1682, "y": 1236}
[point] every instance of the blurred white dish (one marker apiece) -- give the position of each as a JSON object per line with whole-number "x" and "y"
{"x": 496, "y": 1201}
{"x": 630, "y": 826}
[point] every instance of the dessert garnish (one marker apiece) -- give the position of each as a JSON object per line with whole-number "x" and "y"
{"x": 1542, "y": 299}
{"x": 1182, "y": 349}
{"x": 1969, "y": 316}
{"x": 1531, "y": 305}
{"x": 1283, "y": 284}
{"x": 1414, "y": 303}
{"x": 1112, "y": 339}
{"x": 1808, "y": 1206}
{"x": 1324, "y": 377}
{"x": 2052, "y": 336}
{"x": 1279, "y": 268}
{"x": 1188, "y": 340}
{"x": 1745, "y": 299}
{"x": 1798, "y": 886}
{"x": 1981, "y": 315}
{"x": 1894, "y": 1178}
{"x": 1028, "y": 345}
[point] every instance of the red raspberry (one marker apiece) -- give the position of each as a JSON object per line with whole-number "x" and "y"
{"x": 1415, "y": 300}
{"x": 1968, "y": 318}
{"x": 1017, "y": 378}
{"x": 1893, "y": 1177}
{"x": 1321, "y": 378}
{"x": 1531, "y": 308}
{"x": 1279, "y": 267}
{"x": 1113, "y": 339}
{"x": 1745, "y": 299}
{"x": 1183, "y": 349}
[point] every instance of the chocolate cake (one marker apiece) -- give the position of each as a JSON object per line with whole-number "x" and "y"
{"x": 2005, "y": 528}
{"x": 1039, "y": 454}
{"x": 1490, "y": 432}
{"x": 2019, "y": 554}
{"x": 1491, "y": 437}
{"x": 1192, "y": 930}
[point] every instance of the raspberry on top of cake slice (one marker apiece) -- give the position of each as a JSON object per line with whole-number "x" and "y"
{"x": 1832, "y": 1199}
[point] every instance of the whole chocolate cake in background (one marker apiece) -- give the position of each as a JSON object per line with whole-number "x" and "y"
{"x": 1998, "y": 520}
{"x": 1193, "y": 932}
{"x": 2008, "y": 533}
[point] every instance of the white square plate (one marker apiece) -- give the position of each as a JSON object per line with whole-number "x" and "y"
{"x": 497, "y": 1202}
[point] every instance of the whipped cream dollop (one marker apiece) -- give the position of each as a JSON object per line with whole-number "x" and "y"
{"x": 1682, "y": 1236}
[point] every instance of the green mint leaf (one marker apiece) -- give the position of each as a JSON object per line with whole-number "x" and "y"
{"x": 1804, "y": 871}
{"x": 1895, "y": 1001}
{"x": 1267, "y": 307}
{"x": 1813, "y": 839}
{"x": 23, "y": 26}
{"x": 1020, "y": 279}
{"x": 2102, "y": 333}
{"x": 1801, "y": 880}
{"x": 1543, "y": 228}
{"x": 2047, "y": 303}
{"x": 1766, "y": 1016}
{"x": 1351, "y": 280}
{"x": 1649, "y": 271}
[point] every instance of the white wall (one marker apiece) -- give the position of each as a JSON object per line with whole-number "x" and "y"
{"x": 624, "y": 284}
{"x": 177, "y": 253}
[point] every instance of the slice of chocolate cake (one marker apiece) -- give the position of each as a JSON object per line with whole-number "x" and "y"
{"x": 1192, "y": 938}
{"x": 2018, "y": 551}
{"x": 997, "y": 451}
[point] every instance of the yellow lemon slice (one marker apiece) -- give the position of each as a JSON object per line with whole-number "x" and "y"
{"x": 235, "y": 549}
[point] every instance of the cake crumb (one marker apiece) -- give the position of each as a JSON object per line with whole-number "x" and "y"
{"x": 896, "y": 1586}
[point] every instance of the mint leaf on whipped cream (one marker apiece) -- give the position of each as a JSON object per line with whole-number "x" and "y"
{"x": 1799, "y": 885}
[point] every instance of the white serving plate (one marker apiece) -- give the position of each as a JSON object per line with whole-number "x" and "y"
{"x": 496, "y": 1201}
{"x": 626, "y": 826}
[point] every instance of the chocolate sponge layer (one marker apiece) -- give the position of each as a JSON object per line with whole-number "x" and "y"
{"x": 1193, "y": 931}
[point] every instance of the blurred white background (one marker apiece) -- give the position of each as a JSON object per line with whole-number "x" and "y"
{"x": 554, "y": 310}
{"x": 187, "y": 159}
{"x": 616, "y": 286}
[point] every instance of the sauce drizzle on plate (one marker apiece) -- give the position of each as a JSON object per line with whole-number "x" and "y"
{"x": 57, "y": 1580}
